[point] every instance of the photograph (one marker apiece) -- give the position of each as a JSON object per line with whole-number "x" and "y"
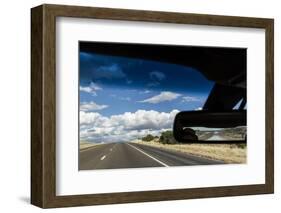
{"x": 140, "y": 105}
{"x": 159, "y": 105}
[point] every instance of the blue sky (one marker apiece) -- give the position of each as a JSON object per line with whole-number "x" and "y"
{"x": 124, "y": 83}
{"x": 115, "y": 91}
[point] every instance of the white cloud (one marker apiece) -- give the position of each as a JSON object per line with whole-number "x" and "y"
{"x": 129, "y": 81}
{"x": 124, "y": 127}
{"x": 189, "y": 99}
{"x": 198, "y": 109}
{"x": 145, "y": 91}
{"x": 156, "y": 75}
{"x": 153, "y": 84}
{"x": 92, "y": 88}
{"x": 91, "y": 106}
{"x": 88, "y": 118}
{"x": 143, "y": 119}
{"x": 163, "y": 96}
{"x": 112, "y": 71}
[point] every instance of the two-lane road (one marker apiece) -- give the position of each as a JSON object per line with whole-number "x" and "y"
{"x": 132, "y": 155}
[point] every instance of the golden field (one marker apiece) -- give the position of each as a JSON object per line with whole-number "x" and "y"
{"x": 225, "y": 152}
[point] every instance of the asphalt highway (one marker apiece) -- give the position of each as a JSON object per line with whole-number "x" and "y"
{"x": 132, "y": 155}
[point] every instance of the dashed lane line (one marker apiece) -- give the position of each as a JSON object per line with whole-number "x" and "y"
{"x": 103, "y": 157}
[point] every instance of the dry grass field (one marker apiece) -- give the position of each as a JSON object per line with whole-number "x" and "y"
{"x": 84, "y": 145}
{"x": 225, "y": 152}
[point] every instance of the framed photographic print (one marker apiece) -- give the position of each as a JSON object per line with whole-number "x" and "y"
{"x": 136, "y": 106}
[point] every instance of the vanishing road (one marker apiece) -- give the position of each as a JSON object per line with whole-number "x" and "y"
{"x": 132, "y": 155}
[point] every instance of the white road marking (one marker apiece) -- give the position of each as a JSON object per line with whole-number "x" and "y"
{"x": 103, "y": 157}
{"x": 111, "y": 149}
{"x": 149, "y": 155}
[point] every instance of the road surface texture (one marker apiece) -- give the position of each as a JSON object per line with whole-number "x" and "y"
{"x": 132, "y": 155}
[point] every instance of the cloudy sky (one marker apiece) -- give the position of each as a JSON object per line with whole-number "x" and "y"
{"x": 123, "y": 99}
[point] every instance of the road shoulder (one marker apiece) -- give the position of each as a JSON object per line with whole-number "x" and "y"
{"x": 223, "y": 152}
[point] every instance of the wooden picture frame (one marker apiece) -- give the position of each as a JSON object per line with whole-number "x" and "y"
{"x": 43, "y": 105}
